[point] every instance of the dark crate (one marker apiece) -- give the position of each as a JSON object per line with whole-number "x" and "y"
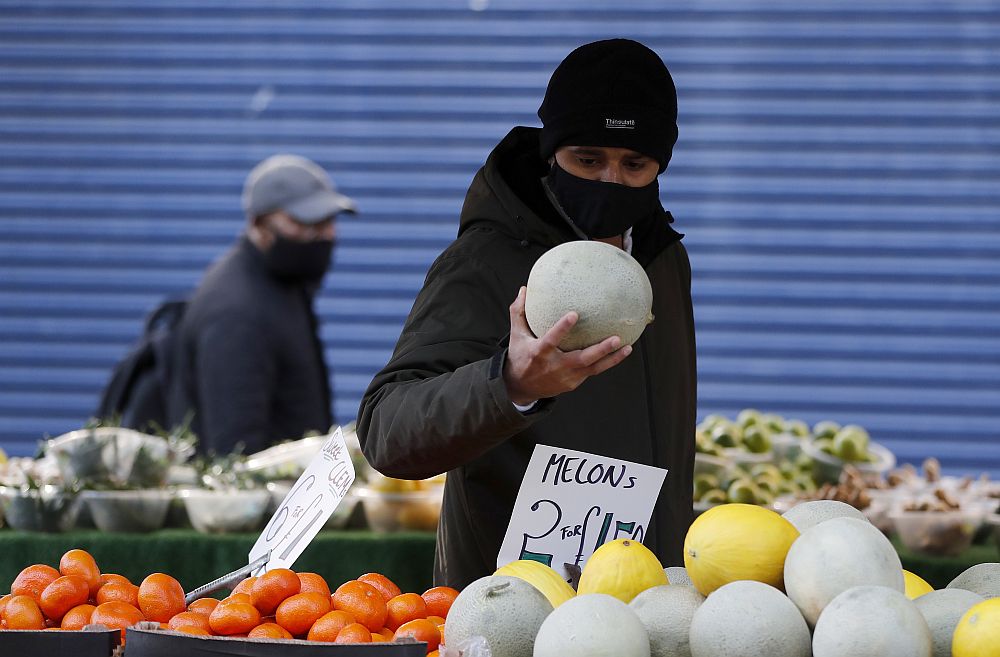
{"x": 42, "y": 643}
{"x": 158, "y": 643}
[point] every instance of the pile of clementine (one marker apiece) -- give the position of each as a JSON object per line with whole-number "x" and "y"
{"x": 280, "y": 604}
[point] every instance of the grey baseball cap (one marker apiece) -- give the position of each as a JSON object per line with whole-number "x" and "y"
{"x": 296, "y": 185}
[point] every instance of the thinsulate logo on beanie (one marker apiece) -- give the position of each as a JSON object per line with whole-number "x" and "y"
{"x": 619, "y": 124}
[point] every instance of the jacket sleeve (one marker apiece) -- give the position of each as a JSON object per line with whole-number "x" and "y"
{"x": 235, "y": 376}
{"x": 441, "y": 402}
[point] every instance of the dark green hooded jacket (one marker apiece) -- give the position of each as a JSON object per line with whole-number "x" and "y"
{"x": 440, "y": 404}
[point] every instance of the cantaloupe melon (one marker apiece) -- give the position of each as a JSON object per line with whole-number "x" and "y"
{"x": 506, "y": 611}
{"x": 549, "y": 582}
{"x": 666, "y": 613}
{"x": 623, "y": 568}
{"x": 592, "y": 625}
{"x": 871, "y": 621}
{"x": 983, "y": 578}
{"x": 748, "y": 619}
{"x": 607, "y": 288}
{"x": 942, "y": 611}
{"x": 731, "y": 542}
{"x": 837, "y": 555}
{"x": 809, "y": 514}
{"x": 678, "y": 576}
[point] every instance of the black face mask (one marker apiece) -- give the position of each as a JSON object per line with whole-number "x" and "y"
{"x": 601, "y": 209}
{"x": 304, "y": 262}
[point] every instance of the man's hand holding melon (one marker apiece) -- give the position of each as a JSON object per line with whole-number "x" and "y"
{"x": 585, "y": 299}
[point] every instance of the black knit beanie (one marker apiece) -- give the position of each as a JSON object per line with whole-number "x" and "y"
{"x": 611, "y": 93}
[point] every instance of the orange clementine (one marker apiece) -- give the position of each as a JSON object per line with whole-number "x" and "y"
{"x": 81, "y": 564}
{"x": 195, "y": 630}
{"x": 363, "y": 601}
{"x": 437, "y": 620}
{"x": 404, "y": 608}
{"x": 244, "y": 586}
{"x": 77, "y": 617}
{"x": 421, "y": 629}
{"x": 161, "y": 597}
{"x": 438, "y": 600}
{"x": 313, "y": 582}
{"x": 271, "y": 588}
{"x": 62, "y": 595}
{"x": 387, "y": 633}
{"x": 22, "y": 613}
{"x": 354, "y": 633}
{"x": 378, "y": 638}
{"x": 434, "y": 653}
{"x": 189, "y": 619}
{"x": 118, "y": 591}
{"x": 231, "y": 618}
{"x": 114, "y": 578}
{"x": 203, "y": 606}
{"x": 269, "y": 631}
{"x": 329, "y": 625}
{"x": 298, "y": 612}
{"x": 32, "y": 580}
{"x": 116, "y": 616}
{"x": 385, "y": 586}
{"x": 239, "y": 597}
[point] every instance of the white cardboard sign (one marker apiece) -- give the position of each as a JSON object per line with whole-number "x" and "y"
{"x": 308, "y": 505}
{"x": 570, "y": 503}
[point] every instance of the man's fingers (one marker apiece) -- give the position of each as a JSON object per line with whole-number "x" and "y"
{"x": 592, "y": 354}
{"x": 560, "y": 330}
{"x": 518, "y": 322}
{"x": 609, "y": 361}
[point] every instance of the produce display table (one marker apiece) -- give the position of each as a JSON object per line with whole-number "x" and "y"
{"x": 406, "y": 558}
{"x": 195, "y": 559}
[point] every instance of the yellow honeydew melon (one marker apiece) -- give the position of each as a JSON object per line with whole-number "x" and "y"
{"x": 837, "y": 555}
{"x": 983, "y": 578}
{"x": 914, "y": 585}
{"x": 592, "y": 625}
{"x": 506, "y": 611}
{"x": 549, "y": 582}
{"x": 978, "y": 632}
{"x": 607, "y": 288}
{"x": 808, "y": 514}
{"x": 623, "y": 569}
{"x": 871, "y": 621}
{"x": 748, "y": 619}
{"x": 942, "y": 610}
{"x": 733, "y": 542}
{"x": 666, "y": 613}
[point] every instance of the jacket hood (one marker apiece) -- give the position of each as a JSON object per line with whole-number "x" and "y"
{"x": 506, "y": 193}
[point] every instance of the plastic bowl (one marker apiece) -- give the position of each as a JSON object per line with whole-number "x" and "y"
{"x": 417, "y": 510}
{"x": 718, "y": 466}
{"x": 938, "y": 533}
{"x": 339, "y": 518}
{"x": 827, "y": 468}
{"x": 115, "y": 455}
{"x": 45, "y": 509}
{"x": 128, "y": 510}
{"x": 223, "y": 511}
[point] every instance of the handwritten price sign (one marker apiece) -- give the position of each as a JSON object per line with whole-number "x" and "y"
{"x": 308, "y": 505}
{"x": 570, "y": 503}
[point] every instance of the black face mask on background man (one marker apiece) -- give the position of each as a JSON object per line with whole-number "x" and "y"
{"x": 291, "y": 260}
{"x": 601, "y": 209}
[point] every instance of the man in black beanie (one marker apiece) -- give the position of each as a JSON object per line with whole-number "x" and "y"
{"x": 470, "y": 390}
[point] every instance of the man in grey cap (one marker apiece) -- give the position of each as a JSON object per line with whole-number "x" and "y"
{"x": 248, "y": 364}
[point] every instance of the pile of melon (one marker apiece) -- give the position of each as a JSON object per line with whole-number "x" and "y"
{"x": 818, "y": 582}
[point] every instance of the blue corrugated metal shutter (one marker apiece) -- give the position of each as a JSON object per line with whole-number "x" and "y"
{"x": 837, "y": 177}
